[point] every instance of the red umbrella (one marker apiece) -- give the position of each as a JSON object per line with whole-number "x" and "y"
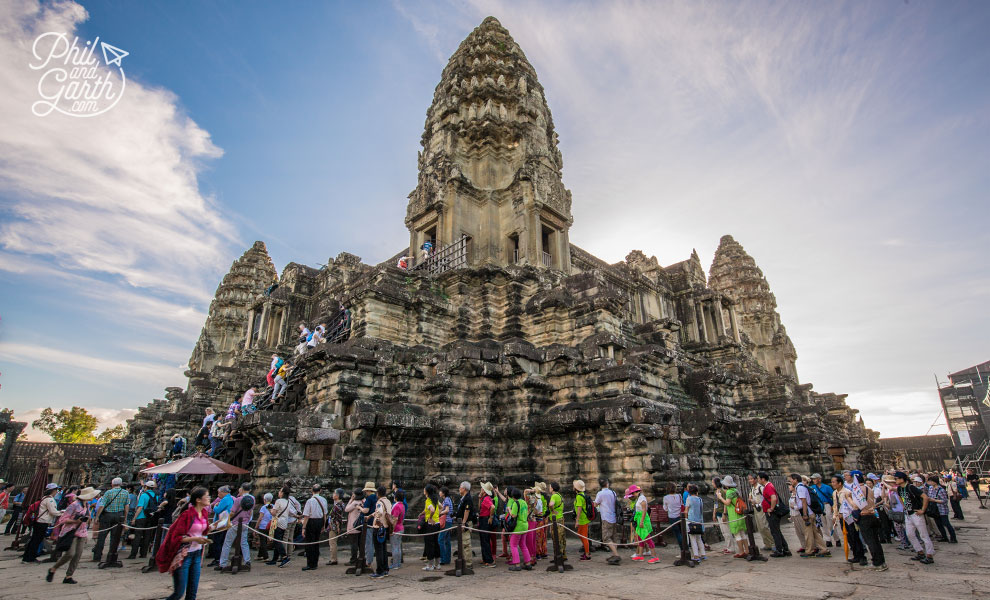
{"x": 35, "y": 491}
{"x": 198, "y": 464}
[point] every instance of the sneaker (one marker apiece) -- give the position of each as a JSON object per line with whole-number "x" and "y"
{"x": 271, "y": 562}
{"x": 429, "y": 568}
{"x": 613, "y": 560}
{"x": 825, "y": 554}
{"x": 927, "y": 560}
{"x": 490, "y": 565}
{"x": 863, "y": 563}
{"x": 527, "y": 567}
{"x": 828, "y": 544}
{"x": 638, "y": 557}
{"x": 882, "y": 567}
{"x": 284, "y": 562}
{"x": 653, "y": 560}
{"x": 515, "y": 568}
{"x": 777, "y": 555}
{"x": 585, "y": 557}
{"x": 726, "y": 551}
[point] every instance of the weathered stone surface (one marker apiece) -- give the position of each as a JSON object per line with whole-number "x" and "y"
{"x": 527, "y": 358}
{"x": 317, "y": 435}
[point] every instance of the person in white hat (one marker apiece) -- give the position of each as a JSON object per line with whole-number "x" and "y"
{"x": 146, "y": 504}
{"x": 74, "y": 521}
{"x": 44, "y": 518}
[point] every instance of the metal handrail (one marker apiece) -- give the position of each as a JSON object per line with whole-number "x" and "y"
{"x": 445, "y": 258}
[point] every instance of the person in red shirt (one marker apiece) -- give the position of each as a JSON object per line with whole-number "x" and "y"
{"x": 771, "y": 506}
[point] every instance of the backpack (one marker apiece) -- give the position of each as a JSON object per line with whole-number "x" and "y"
{"x": 509, "y": 521}
{"x": 740, "y": 505}
{"x": 589, "y": 507}
{"x": 814, "y": 501}
{"x": 31, "y": 516}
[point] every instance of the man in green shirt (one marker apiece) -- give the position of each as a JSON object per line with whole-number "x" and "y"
{"x": 581, "y": 519}
{"x": 557, "y": 513}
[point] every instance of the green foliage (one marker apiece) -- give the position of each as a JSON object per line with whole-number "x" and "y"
{"x": 75, "y": 426}
{"x": 112, "y": 433}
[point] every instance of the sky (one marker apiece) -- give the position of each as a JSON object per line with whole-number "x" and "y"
{"x": 845, "y": 145}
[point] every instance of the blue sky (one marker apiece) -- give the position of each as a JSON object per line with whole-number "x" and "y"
{"x": 845, "y": 145}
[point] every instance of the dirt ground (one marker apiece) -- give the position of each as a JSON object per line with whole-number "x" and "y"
{"x": 960, "y": 571}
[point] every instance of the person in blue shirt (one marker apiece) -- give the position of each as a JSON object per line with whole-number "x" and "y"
{"x": 696, "y": 530}
{"x": 368, "y": 509}
{"x": 825, "y": 492}
{"x": 223, "y": 503}
{"x": 147, "y": 503}
{"x": 16, "y": 508}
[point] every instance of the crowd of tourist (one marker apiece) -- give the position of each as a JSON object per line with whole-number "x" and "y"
{"x": 863, "y": 512}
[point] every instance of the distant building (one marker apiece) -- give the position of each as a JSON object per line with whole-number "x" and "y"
{"x": 967, "y": 409}
{"x": 68, "y": 464}
{"x": 925, "y": 452}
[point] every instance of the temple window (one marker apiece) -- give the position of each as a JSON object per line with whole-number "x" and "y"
{"x": 545, "y": 243}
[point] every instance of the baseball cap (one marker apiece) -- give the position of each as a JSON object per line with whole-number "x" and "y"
{"x": 51, "y": 486}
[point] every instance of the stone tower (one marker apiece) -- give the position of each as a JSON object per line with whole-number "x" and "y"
{"x": 223, "y": 333}
{"x": 490, "y": 169}
{"x": 735, "y": 274}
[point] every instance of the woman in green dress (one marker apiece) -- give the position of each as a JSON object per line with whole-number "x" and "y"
{"x": 736, "y": 519}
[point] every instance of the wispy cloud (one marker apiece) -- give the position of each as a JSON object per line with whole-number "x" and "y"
{"x": 112, "y": 195}
{"x": 89, "y": 367}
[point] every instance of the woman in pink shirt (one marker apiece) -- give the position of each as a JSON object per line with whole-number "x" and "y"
{"x": 74, "y": 521}
{"x": 353, "y": 510}
{"x": 181, "y": 552}
{"x": 398, "y": 514}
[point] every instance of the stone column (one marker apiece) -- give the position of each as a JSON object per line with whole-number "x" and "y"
{"x": 11, "y": 429}
{"x": 250, "y": 329}
{"x": 281, "y": 326}
{"x": 534, "y": 252}
{"x": 719, "y": 319}
{"x": 735, "y": 324}
{"x": 702, "y": 327}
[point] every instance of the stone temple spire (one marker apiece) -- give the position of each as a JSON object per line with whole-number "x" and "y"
{"x": 490, "y": 168}
{"x": 735, "y": 274}
{"x": 223, "y": 333}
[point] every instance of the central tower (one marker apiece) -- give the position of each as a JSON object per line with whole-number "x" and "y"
{"x": 490, "y": 170}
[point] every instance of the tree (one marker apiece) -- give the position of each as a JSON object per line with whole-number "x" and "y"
{"x": 74, "y": 426}
{"x": 112, "y": 433}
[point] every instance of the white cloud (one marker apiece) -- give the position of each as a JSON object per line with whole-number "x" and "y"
{"x": 115, "y": 194}
{"x": 88, "y": 367}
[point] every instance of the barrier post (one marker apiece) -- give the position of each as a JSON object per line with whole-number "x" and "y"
{"x": 16, "y": 544}
{"x": 754, "y": 549}
{"x": 685, "y": 559}
{"x": 360, "y": 568}
{"x": 460, "y": 565}
{"x": 155, "y": 543}
{"x": 558, "y": 559}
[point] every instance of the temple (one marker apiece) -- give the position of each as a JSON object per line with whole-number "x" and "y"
{"x": 505, "y": 352}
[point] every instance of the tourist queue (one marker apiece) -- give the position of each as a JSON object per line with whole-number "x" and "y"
{"x": 864, "y": 512}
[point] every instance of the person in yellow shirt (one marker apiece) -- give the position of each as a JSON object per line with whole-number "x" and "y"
{"x": 431, "y": 527}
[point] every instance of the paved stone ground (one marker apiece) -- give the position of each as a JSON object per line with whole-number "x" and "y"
{"x": 961, "y": 571}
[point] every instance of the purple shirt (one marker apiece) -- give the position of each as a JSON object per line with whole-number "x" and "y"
{"x": 240, "y": 516}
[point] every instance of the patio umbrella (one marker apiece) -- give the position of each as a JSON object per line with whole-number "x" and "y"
{"x": 198, "y": 464}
